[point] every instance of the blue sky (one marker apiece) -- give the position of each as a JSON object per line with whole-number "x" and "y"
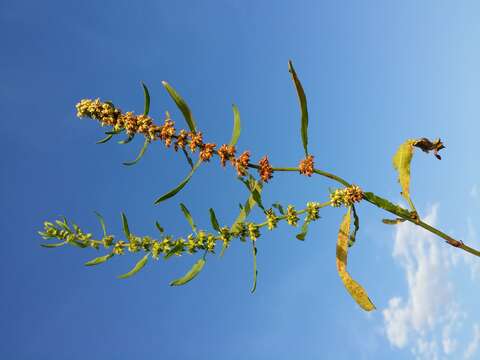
{"x": 375, "y": 74}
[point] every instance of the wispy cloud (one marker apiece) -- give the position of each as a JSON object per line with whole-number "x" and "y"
{"x": 472, "y": 347}
{"x": 427, "y": 320}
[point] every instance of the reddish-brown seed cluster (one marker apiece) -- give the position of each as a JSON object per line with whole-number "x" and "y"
{"x": 306, "y": 166}
{"x": 167, "y": 132}
{"x": 265, "y": 169}
{"x": 182, "y": 138}
{"x": 206, "y": 152}
{"x": 196, "y": 140}
{"x": 353, "y": 194}
{"x": 108, "y": 115}
{"x": 241, "y": 163}
{"x": 226, "y": 152}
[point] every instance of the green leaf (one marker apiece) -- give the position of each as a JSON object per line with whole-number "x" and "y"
{"x": 102, "y": 222}
{"x": 255, "y": 271}
{"x": 279, "y": 208}
{"x": 159, "y": 227}
{"x": 76, "y": 243}
{"x": 114, "y": 132}
{"x": 105, "y": 139}
{"x": 53, "y": 245}
{"x": 303, "y": 106}
{"x": 126, "y": 229}
{"x": 99, "y": 260}
{"x": 303, "y": 232}
{"x": 147, "y": 99}
{"x": 251, "y": 186}
{"x": 386, "y": 205}
{"x": 138, "y": 266}
{"x": 127, "y": 140}
{"x": 250, "y": 203}
{"x": 357, "y": 292}
{"x": 63, "y": 224}
{"x": 401, "y": 163}
{"x": 189, "y": 159}
{"x": 182, "y": 105}
{"x": 188, "y": 216}
{"x": 191, "y": 274}
{"x": 356, "y": 227}
{"x": 173, "y": 251}
{"x": 180, "y": 186}
{"x": 393, "y": 221}
{"x": 213, "y": 220}
{"x": 237, "y": 128}
{"x": 139, "y": 156}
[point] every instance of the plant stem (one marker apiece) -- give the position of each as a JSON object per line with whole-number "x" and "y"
{"x": 413, "y": 219}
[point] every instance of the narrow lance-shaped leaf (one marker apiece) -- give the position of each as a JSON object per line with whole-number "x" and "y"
{"x": 244, "y": 211}
{"x": 99, "y": 260}
{"x": 126, "y": 229}
{"x": 191, "y": 274}
{"x": 114, "y": 132}
{"x": 180, "y": 186}
{"x": 251, "y": 185}
{"x": 109, "y": 135}
{"x": 189, "y": 218}
{"x": 355, "y": 290}
{"x": 146, "y": 108}
{"x": 303, "y": 106}
{"x": 159, "y": 227}
{"x": 189, "y": 159}
{"x": 53, "y": 245}
{"x": 102, "y": 222}
{"x": 401, "y": 163}
{"x": 249, "y": 204}
{"x": 279, "y": 207}
{"x": 393, "y": 221}
{"x": 213, "y": 220}
{"x": 127, "y": 140}
{"x": 386, "y": 205}
{"x": 182, "y": 105}
{"x": 105, "y": 139}
{"x": 356, "y": 227}
{"x": 255, "y": 271}
{"x": 139, "y": 156}
{"x": 237, "y": 128}
{"x": 138, "y": 266}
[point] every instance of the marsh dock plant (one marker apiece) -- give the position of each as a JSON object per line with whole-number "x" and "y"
{"x": 255, "y": 176}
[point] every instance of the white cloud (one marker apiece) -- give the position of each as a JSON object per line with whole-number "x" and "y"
{"x": 428, "y": 319}
{"x": 472, "y": 347}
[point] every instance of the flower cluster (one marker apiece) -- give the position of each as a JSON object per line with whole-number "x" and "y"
{"x": 347, "y": 196}
{"x": 241, "y": 163}
{"x": 168, "y": 246}
{"x": 108, "y": 115}
{"x": 226, "y": 152}
{"x": 306, "y": 166}
{"x": 272, "y": 219}
{"x": 292, "y": 216}
{"x": 265, "y": 169}
{"x": 313, "y": 211}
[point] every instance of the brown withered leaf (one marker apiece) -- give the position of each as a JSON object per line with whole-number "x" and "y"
{"x": 427, "y": 146}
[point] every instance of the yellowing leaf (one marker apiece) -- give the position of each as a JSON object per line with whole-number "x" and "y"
{"x": 401, "y": 163}
{"x": 356, "y": 291}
